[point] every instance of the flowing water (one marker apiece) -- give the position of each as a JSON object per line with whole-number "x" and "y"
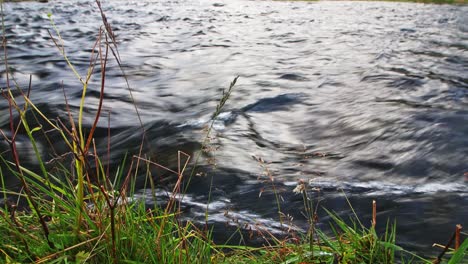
{"x": 365, "y": 98}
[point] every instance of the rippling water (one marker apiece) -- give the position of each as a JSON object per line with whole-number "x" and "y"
{"x": 368, "y": 97}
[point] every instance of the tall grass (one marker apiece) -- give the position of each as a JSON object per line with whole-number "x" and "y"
{"x": 85, "y": 214}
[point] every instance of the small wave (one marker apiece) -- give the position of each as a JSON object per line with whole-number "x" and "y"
{"x": 219, "y": 211}
{"x": 250, "y": 221}
{"x": 264, "y": 105}
{"x": 294, "y": 77}
{"x": 380, "y": 188}
{"x": 463, "y": 24}
{"x": 24, "y": 147}
{"x": 441, "y": 187}
{"x": 163, "y": 19}
{"x": 404, "y": 102}
{"x": 407, "y": 30}
{"x": 277, "y": 103}
{"x": 220, "y": 123}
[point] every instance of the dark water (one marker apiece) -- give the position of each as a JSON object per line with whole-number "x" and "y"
{"x": 366, "y": 97}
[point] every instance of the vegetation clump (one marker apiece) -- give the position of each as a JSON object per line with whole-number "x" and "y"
{"x": 85, "y": 214}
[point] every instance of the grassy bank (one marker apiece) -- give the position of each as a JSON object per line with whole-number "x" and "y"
{"x": 74, "y": 208}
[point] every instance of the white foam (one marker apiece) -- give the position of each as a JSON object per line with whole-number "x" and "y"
{"x": 384, "y": 188}
{"x": 250, "y": 221}
{"x": 434, "y": 187}
{"x": 219, "y": 124}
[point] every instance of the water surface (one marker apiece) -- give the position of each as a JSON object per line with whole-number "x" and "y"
{"x": 365, "y": 97}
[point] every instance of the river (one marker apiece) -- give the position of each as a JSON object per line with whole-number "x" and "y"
{"x": 363, "y": 98}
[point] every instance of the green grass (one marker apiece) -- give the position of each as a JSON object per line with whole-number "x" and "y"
{"x": 85, "y": 214}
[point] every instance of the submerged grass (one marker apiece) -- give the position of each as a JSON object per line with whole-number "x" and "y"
{"x": 83, "y": 214}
